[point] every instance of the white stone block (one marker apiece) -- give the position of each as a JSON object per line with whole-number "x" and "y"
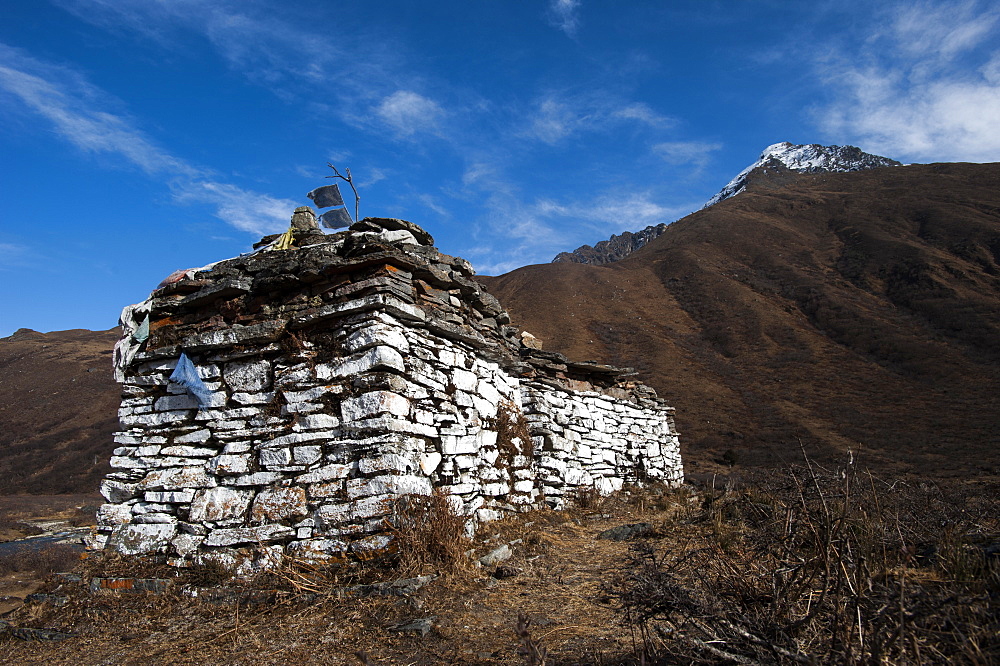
{"x": 220, "y": 503}
{"x": 317, "y": 422}
{"x": 578, "y": 477}
{"x": 376, "y": 358}
{"x": 264, "y": 533}
{"x": 375, "y": 335}
{"x": 255, "y": 479}
{"x": 140, "y": 539}
{"x": 275, "y": 504}
{"x": 373, "y": 404}
{"x": 525, "y": 486}
{"x": 114, "y": 514}
{"x": 451, "y": 445}
{"x": 275, "y": 457}
{"x": 489, "y": 393}
{"x": 196, "y": 437}
{"x": 306, "y": 455}
{"x": 388, "y": 484}
{"x": 361, "y": 509}
{"x": 169, "y": 496}
{"x": 227, "y": 464}
{"x": 488, "y": 515}
{"x": 248, "y": 376}
{"x": 187, "y": 452}
{"x": 177, "y": 478}
{"x": 118, "y": 491}
{"x": 327, "y": 489}
{"x": 390, "y": 462}
{"x": 429, "y": 462}
{"x": 463, "y": 380}
{"x": 325, "y": 473}
{"x": 297, "y": 438}
{"x": 485, "y": 408}
{"x": 466, "y": 462}
{"x": 314, "y": 393}
{"x": 495, "y": 489}
{"x": 185, "y": 544}
{"x": 254, "y": 398}
{"x": 155, "y": 419}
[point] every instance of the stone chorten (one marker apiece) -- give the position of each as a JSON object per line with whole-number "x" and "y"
{"x": 282, "y": 402}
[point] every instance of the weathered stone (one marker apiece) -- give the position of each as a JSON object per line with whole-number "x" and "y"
{"x": 118, "y": 491}
{"x": 325, "y": 473}
{"x": 114, "y": 514}
{"x": 229, "y": 464}
{"x": 177, "y": 478}
{"x": 218, "y": 503}
{"x": 196, "y": 437}
{"x": 279, "y": 504}
{"x": 173, "y": 497}
{"x": 377, "y": 358}
{"x": 262, "y": 534}
{"x": 133, "y": 539}
{"x": 248, "y": 376}
{"x": 496, "y": 555}
{"x": 373, "y": 404}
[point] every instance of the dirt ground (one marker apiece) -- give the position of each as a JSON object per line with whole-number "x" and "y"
{"x": 556, "y": 579}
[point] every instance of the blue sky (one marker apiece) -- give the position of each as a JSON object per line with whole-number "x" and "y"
{"x": 138, "y": 137}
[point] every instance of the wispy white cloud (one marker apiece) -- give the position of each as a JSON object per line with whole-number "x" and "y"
{"x": 246, "y": 210}
{"x": 556, "y": 116}
{"x": 77, "y": 113}
{"x": 614, "y": 211}
{"x": 697, "y": 153}
{"x": 554, "y": 120}
{"x": 431, "y": 203}
{"x": 288, "y": 59}
{"x": 563, "y": 14}
{"x": 923, "y": 87}
{"x": 9, "y": 251}
{"x": 407, "y": 112}
{"x": 534, "y": 231}
{"x": 643, "y": 113}
{"x": 68, "y": 103}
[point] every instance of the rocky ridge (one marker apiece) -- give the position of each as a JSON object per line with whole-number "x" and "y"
{"x": 777, "y": 159}
{"x": 617, "y": 247}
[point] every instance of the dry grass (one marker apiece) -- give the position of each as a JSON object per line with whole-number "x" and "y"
{"x": 429, "y": 537}
{"x": 816, "y": 566}
{"x": 775, "y": 571}
{"x": 40, "y": 561}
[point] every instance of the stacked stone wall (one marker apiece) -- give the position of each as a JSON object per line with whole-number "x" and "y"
{"x": 341, "y": 376}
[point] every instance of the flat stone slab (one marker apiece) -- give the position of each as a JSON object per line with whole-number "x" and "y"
{"x": 154, "y": 585}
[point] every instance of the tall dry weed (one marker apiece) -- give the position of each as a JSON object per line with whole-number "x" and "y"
{"x": 815, "y": 565}
{"x": 429, "y": 535}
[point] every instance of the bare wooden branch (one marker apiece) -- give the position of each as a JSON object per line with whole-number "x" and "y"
{"x": 350, "y": 181}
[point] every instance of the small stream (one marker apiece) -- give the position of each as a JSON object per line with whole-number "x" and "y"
{"x": 57, "y": 533}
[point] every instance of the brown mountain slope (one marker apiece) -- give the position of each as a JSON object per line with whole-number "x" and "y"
{"x": 58, "y": 408}
{"x": 845, "y": 311}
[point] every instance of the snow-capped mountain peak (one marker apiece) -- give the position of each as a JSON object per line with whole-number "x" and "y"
{"x": 810, "y": 157}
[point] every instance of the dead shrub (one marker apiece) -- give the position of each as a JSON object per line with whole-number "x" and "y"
{"x": 815, "y": 565}
{"x": 40, "y": 561}
{"x": 428, "y": 534}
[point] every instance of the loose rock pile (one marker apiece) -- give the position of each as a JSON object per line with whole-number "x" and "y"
{"x": 334, "y": 378}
